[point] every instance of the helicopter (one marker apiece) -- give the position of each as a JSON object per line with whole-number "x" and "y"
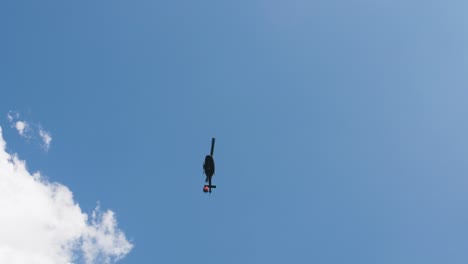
{"x": 209, "y": 169}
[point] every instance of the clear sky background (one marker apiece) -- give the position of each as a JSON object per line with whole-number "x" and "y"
{"x": 341, "y": 126}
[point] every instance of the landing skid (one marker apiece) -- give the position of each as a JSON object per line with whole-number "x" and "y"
{"x": 207, "y": 188}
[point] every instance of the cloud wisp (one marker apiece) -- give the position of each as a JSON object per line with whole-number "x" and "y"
{"x": 29, "y": 130}
{"x": 12, "y": 115}
{"x": 46, "y": 138}
{"x": 41, "y": 222}
{"x": 22, "y": 127}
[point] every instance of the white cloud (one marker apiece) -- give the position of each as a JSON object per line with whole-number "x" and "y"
{"x": 46, "y": 138}
{"x": 41, "y": 223}
{"x": 21, "y": 126}
{"x": 29, "y": 130}
{"x": 103, "y": 241}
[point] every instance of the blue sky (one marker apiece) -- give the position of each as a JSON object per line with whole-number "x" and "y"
{"x": 340, "y": 125}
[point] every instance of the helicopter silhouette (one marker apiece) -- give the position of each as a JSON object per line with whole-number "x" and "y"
{"x": 209, "y": 169}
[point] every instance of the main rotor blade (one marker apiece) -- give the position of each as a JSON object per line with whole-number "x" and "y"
{"x": 212, "y": 146}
